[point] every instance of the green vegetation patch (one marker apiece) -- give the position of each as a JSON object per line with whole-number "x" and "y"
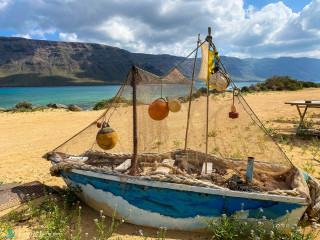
{"x": 280, "y": 83}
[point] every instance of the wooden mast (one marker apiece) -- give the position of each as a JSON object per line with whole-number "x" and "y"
{"x": 209, "y": 40}
{"x": 190, "y": 96}
{"x": 134, "y": 162}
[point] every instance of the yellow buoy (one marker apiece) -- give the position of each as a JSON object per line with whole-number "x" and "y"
{"x": 174, "y": 105}
{"x": 107, "y": 138}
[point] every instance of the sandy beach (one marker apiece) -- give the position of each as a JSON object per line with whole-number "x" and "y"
{"x": 25, "y": 137}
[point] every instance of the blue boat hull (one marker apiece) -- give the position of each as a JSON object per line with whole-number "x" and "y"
{"x": 177, "y": 206}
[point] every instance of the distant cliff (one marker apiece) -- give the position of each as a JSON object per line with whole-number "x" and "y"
{"x": 25, "y": 62}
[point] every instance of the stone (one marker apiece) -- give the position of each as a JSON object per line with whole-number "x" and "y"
{"x": 56, "y": 106}
{"x": 36, "y": 106}
{"x": 74, "y": 108}
{"x": 59, "y": 106}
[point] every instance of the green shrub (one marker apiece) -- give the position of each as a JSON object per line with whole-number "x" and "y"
{"x": 254, "y": 88}
{"x": 197, "y": 94}
{"x": 245, "y": 89}
{"x": 260, "y": 228}
{"x": 310, "y": 85}
{"x": 202, "y": 90}
{"x": 105, "y": 103}
{"x": 280, "y": 83}
{"x": 23, "y": 104}
{"x": 262, "y": 87}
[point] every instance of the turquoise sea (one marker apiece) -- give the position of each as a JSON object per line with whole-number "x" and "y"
{"x": 83, "y": 96}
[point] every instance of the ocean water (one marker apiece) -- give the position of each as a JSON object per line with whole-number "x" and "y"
{"x": 83, "y": 96}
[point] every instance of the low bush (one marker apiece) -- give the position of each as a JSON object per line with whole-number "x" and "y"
{"x": 260, "y": 227}
{"x": 280, "y": 83}
{"x": 105, "y": 103}
{"x": 311, "y": 85}
{"x": 23, "y": 104}
{"x": 245, "y": 89}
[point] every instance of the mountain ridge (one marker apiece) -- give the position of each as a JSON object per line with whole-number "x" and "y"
{"x": 28, "y": 62}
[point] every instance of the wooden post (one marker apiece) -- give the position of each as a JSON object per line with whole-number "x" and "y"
{"x": 135, "y": 128}
{"x": 190, "y": 96}
{"x": 301, "y": 119}
{"x": 209, "y": 40}
{"x": 250, "y": 164}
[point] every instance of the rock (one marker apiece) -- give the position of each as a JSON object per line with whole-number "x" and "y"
{"x": 74, "y": 108}
{"x": 49, "y": 105}
{"x": 36, "y": 106}
{"x": 57, "y": 106}
{"x": 2, "y": 109}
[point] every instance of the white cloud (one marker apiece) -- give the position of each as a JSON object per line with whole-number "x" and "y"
{"x": 39, "y": 33}
{"x": 117, "y": 29}
{"x": 4, "y": 3}
{"x": 171, "y": 26}
{"x": 276, "y": 31}
{"x": 68, "y": 37}
{"x": 22, "y": 36}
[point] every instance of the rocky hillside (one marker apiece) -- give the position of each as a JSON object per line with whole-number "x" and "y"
{"x": 25, "y": 62}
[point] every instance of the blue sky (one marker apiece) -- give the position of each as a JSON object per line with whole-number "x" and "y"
{"x": 241, "y": 28}
{"x": 294, "y": 5}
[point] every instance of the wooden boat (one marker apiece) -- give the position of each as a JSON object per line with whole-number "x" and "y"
{"x": 156, "y": 202}
{"x": 177, "y": 189}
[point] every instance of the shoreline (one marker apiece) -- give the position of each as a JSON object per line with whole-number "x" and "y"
{"x": 85, "y": 108}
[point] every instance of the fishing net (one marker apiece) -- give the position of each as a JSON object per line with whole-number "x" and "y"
{"x": 184, "y": 136}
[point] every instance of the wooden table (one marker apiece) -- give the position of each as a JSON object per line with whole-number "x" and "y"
{"x": 306, "y": 105}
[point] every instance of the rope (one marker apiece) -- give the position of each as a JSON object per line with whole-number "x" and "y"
{"x": 161, "y": 177}
{"x": 314, "y": 187}
{"x": 176, "y": 66}
{"x": 261, "y": 125}
{"x": 152, "y": 159}
{"x": 101, "y": 116}
{"x": 190, "y": 95}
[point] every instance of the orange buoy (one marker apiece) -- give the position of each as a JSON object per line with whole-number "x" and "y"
{"x": 107, "y": 138}
{"x": 158, "y": 110}
{"x": 174, "y": 105}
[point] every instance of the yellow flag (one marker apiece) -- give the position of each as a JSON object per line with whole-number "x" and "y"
{"x": 207, "y": 60}
{"x": 210, "y": 63}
